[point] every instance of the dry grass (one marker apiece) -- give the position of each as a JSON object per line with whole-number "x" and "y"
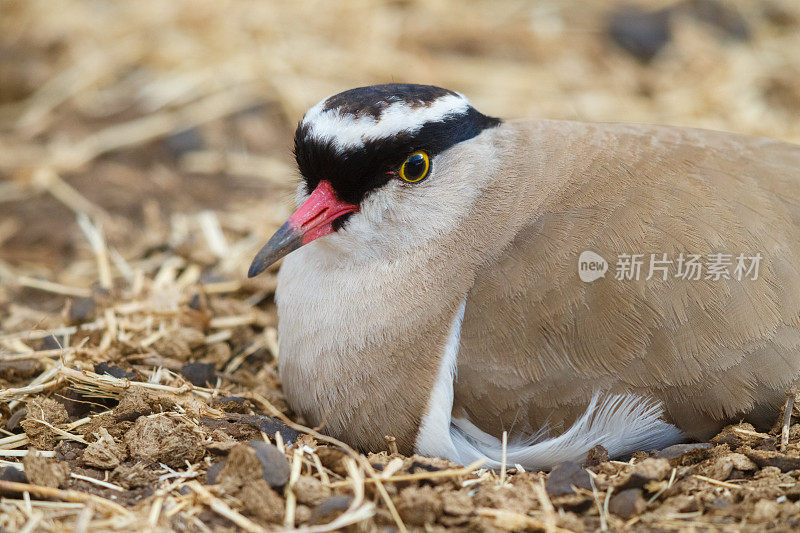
{"x": 144, "y": 156}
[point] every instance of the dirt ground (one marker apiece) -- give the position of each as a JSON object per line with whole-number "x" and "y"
{"x": 145, "y": 156}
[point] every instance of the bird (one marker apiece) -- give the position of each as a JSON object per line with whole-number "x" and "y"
{"x": 524, "y": 290}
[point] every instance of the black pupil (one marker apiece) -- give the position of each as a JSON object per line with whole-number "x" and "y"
{"x": 415, "y": 167}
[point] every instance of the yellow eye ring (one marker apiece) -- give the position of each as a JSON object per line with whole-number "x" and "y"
{"x": 415, "y": 168}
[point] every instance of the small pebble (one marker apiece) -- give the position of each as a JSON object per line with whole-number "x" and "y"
{"x": 199, "y": 374}
{"x": 332, "y": 507}
{"x": 81, "y": 310}
{"x": 15, "y": 419}
{"x": 640, "y": 33}
{"x": 188, "y": 140}
{"x": 213, "y": 472}
{"x": 276, "y": 466}
{"x": 270, "y": 426}
{"x": 566, "y": 475}
{"x": 627, "y": 503}
{"x": 676, "y": 450}
{"x": 15, "y": 475}
{"x": 720, "y": 15}
{"x": 113, "y": 370}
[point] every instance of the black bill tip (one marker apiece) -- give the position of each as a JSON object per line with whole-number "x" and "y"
{"x": 286, "y": 240}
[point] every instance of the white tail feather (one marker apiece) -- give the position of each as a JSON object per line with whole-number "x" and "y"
{"x": 622, "y": 424}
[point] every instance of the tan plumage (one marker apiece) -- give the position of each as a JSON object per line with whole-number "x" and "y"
{"x": 365, "y": 313}
{"x": 711, "y": 351}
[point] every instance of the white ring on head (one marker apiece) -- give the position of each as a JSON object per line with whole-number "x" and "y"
{"x": 347, "y": 131}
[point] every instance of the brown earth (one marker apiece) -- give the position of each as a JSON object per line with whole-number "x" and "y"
{"x": 144, "y": 157}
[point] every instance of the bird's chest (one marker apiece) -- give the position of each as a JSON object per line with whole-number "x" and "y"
{"x": 347, "y": 358}
{"x": 327, "y": 318}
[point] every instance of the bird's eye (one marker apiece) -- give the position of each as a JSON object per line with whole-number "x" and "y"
{"x": 415, "y": 168}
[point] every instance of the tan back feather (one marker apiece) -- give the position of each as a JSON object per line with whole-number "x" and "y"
{"x": 537, "y": 342}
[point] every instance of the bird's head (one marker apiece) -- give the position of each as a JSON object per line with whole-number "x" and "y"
{"x": 381, "y": 163}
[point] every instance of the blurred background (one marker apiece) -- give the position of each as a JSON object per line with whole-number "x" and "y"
{"x": 145, "y": 153}
{"x": 169, "y": 123}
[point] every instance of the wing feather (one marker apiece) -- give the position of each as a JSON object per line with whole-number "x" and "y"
{"x": 538, "y": 344}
